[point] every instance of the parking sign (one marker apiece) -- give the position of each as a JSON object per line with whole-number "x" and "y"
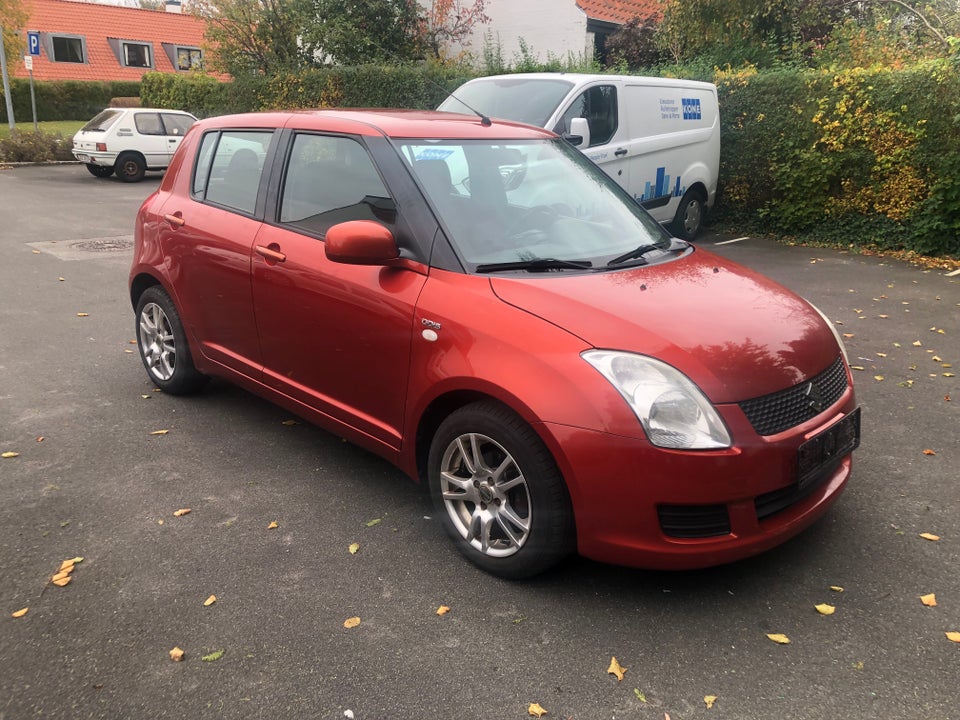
{"x": 33, "y": 40}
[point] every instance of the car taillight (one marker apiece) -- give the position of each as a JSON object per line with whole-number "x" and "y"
{"x": 101, "y": 147}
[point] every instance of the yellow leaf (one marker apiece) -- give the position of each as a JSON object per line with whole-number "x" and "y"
{"x": 10, "y": 454}
{"x": 857, "y": 367}
{"x": 61, "y": 575}
{"x": 159, "y": 432}
{"x": 354, "y": 547}
{"x": 616, "y": 669}
{"x": 836, "y": 588}
{"x": 76, "y": 560}
{"x": 928, "y": 451}
{"x": 176, "y": 654}
{"x": 930, "y": 536}
{"x": 929, "y": 600}
{"x": 825, "y": 609}
{"x": 443, "y": 610}
{"x": 351, "y": 622}
{"x": 709, "y": 700}
{"x": 917, "y": 343}
{"x": 535, "y": 710}
{"x": 878, "y": 378}
{"x": 849, "y": 335}
{"x": 210, "y": 601}
{"x": 61, "y": 278}
{"x": 273, "y": 525}
{"x": 20, "y": 613}
{"x": 83, "y": 314}
{"x": 779, "y": 638}
{"x": 62, "y": 581}
{"x": 937, "y": 358}
{"x": 181, "y": 512}
{"x": 953, "y": 636}
{"x": 66, "y": 565}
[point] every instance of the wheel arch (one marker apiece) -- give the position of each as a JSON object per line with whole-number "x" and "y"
{"x": 140, "y": 283}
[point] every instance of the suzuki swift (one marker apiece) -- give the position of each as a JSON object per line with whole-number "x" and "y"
{"x": 477, "y": 302}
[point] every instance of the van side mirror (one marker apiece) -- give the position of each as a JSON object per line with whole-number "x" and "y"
{"x": 579, "y": 135}
{"x": 360, "y": 242}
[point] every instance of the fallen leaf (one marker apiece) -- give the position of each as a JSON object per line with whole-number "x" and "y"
{"x": 883, "y": 317}
{"x": 75, "y": 560}
{"x": 146, "y": 397}
{"x": 930, "y": 536}
{"x": 928, "y": 451}
{"x": 83, "y": 314}
{"x": 10, "y": 454}
{"x": 181, "y": 512}
{"x": 849, "y": 335}
{"x": 213, "y": 657}
{"x": 41, "y": 438}
{"x": 159, "y": 432}
{"x": 836, "y": 588}
{"x": 825, "y": 609}
{"x": 176, "y": 654}
{"x": 937, "y": 358}
{"x": 210, "y": 601}
{"x": 67, "y": 565}
{"x": 779, "y": 638}
{"x": 351, "y": 622}
{"x": 273, "y": 525}
{"x": 61, "y": 279}
{"x": 917, "y": 343}
{"x": 616, "y": 669}
{"x": 709, "y": 700}
{"x": 375, "y": 521}
{"x": 878, "y": 378}
{"x": 20, "y": 613}
{"x": 289, "y": 422}
{"x": 354, "y": 547}
{"x": 535, "y": 710}
{"x": 949, "y": 375}
{"x": 443, "y": 610}
{"x": 953, "y": 636}
{"x": 61, "y": 575}
{"x": 640, "y": 696}
{"x": 62, "y": 581}
{"x": 857, "y": 367}
{"x": 929, "y": 600}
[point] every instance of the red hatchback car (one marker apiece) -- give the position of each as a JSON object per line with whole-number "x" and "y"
{"x": 481, "y": 305}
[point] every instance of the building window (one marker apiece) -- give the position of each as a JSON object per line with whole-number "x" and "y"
{"x": 137, "y": 55}
{"x": 189, "y": 58}
{"x": 68, "y": 49}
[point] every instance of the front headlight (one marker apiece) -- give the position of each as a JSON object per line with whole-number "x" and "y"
{"x": 673, "y": 411}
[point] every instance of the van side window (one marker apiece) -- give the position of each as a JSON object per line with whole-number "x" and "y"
{"x": 598, "y": 105}
{"x": 231, "y": 172}
{"x": 331, "y": 180}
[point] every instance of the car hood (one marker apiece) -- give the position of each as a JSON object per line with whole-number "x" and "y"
{"x": 735, "y": 333}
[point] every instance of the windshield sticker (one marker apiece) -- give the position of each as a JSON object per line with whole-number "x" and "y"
{"x": 434, "y": 154}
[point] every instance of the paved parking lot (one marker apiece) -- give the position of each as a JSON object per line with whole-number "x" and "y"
{"x": 92, "y": 480}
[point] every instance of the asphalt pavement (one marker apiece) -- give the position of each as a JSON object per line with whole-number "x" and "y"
{"x": 93, "y": 479}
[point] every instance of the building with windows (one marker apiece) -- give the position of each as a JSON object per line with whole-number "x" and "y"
{"x": 87, "y": 41}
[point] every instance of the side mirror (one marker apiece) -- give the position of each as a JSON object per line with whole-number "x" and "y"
{"x": 360, "y": 242}
{"x": 579, "y": 134}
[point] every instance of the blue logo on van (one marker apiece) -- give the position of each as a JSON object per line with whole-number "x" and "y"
{"x": 691, "y": 109}
{"x": 661, "y": 188}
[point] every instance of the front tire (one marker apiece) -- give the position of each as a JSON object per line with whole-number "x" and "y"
{"x": 499, "y": 492}
{"x": 163, "y": 344}
{"x": 689, "y": 218}
{"x": 99, "y": 170}
{"x": 130, "y": 167}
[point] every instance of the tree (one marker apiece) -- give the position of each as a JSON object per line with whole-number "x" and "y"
{"x": 634, "y": 43}
{"x": 354, "y": 32}
{"x": 446, "y": 23}
{"x": 256, "y": 36}
{"x": 13, "y": 20}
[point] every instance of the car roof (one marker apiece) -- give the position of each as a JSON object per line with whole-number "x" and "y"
{"x": 390, "y": 123}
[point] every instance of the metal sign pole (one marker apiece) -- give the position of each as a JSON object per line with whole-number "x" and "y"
{"x": 33, "y": 100}
{"x": 6, "y": 84}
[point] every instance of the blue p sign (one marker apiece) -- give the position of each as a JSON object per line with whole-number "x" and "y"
{"x": 33, "y": 40}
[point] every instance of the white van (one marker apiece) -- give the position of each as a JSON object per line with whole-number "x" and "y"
{"x": 659, "y": 138}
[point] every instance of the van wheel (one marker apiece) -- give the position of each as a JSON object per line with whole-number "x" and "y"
{"x": 99, "y": 170}
{"x": 499, "y": 493}
{"x": 689, "y": 218}
{"x": 130, "y": 167}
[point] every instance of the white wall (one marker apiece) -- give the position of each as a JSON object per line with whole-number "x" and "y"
{"x": 555, "y": 27}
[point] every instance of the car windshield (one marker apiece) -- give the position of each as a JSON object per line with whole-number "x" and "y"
{"x": 102, "y": 121}
{"x": 538, "y": 202}
{"x": 526, "y": 100}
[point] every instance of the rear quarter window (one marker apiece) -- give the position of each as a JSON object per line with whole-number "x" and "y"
{"x": 102, "y": 121}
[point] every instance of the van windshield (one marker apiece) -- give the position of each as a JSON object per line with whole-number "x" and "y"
{"x": 526, "y": 100}
{"x": 102, "y": 121}
{"x": 528, "y": 201}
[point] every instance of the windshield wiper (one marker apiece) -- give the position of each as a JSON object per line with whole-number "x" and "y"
{"x": 635, "y": 254}
{"x": 535, "y": 265}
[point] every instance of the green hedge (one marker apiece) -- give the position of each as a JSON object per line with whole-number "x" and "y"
{"x": 863, "y": 157}
{"x": 64, "y": 99}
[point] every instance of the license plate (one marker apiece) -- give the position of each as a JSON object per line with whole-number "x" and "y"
{"x": 83, "y": 158}
{"x": 820, "y": 452}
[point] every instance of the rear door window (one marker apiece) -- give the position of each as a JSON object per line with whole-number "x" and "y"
{"x": 229, "y": 167}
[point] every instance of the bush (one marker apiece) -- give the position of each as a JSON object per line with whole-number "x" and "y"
{"x": 31, "y": 146}
{"x": 64, "y": 99}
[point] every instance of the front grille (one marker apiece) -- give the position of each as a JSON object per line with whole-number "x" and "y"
{"x": 694, "y": 521}
{"x": 785, "y": 409}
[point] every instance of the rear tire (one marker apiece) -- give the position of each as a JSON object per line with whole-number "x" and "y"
{"x": 130, "y": 167}
{"x": 499, "y": 492}
{"x": 163, "y": 344}
{"x": 689, "y": 218}
{"x": 99, "y": 171}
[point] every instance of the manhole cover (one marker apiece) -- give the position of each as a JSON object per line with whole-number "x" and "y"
{"x": 104, "y": 244}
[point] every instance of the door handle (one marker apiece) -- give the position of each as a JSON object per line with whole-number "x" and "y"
{"x": 272, "y": 252}
{"x": 621, "y": 152}
{"x": 176, "y": 220}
